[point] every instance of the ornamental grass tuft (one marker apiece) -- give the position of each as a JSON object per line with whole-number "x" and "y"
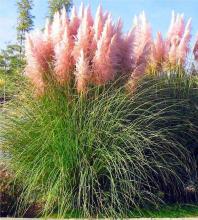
{"x": 106, "y": 152}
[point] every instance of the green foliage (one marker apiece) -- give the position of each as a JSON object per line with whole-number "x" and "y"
{"x": 57, "y": 5}
{"x": 10, "y": 58}
{"x": 11, "y": 84}
{"x": 183, "y": 87}
{"x": 11, "y": 72}
{"x": 102, "y": 154}
{"x": 24, "y": 20}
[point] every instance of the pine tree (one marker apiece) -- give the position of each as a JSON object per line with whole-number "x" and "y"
{"x": 57, "y": 5}
{"x": 24, "y": 21}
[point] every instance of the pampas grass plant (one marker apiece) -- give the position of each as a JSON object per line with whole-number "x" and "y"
{"x": 100, "y": 154}
{"x": 99, "y": 136}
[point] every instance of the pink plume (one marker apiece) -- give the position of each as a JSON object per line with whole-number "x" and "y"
{"x": 158, "y": 50}
{"x": 195, "y": 50}
{"x": 74, "y": 22}
{"x": 123, "y": 51}
{"x": 82, "y": 73}
{"x": 142, "y": 35}
{"x": 172, "y": 55}
{"x": 98, "y": 51}
{"x": 136, "y": 75}
{"x": 126, "y": 48}
{"x": 183, "y": 47}
{"x": 64, "y": 63}
{"x": 56, "y": 28}
{"x": 41, "y": 50}
{"x": 178, "y": 39}
{"x": 84, "y": 36}
{"x": 142, "y": 42}
{"x": 33, "y": 68}
{"x": 177, "y": 26}
{"x": 60, "y": 21}
{"x": 103, "y": 63}
{"x": 98, "y": 23}
{"x": 88, "y": 15}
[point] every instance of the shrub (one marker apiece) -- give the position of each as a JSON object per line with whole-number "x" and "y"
{"x": 102, "y": 154}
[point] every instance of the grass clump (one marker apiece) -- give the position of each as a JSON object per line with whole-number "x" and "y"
{"x": 102, "y": 154}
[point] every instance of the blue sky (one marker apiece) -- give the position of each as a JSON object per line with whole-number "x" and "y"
{"x": 157, "y": 11}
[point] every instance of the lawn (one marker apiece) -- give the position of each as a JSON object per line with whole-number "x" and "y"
{"x": 165, "y": 211}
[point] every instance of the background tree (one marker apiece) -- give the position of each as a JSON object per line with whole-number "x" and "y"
{"x": 11, "y": 57}
{"x": 11, "y": 71}
{"x": 57, "y": 5}
{"x": 3, "y": 61}
{"x": 24, "y": 21}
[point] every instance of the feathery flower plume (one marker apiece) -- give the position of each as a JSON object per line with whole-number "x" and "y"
{"x": 60, "y": 21}
{"x": 84, "y": 36}
{"x": 183, "y": 47}
{"x": 97, "y": 50}
{"x": 172, "y": 54}
{"x": 177, "y": 26}
{"x": 40, "y": 50}
{"x": 142, "y": 33}
{"x": 158, "y": 51}
{"x": 139, "y": 70}
{"x": 74, "y": 22}
{"x": 39, "y": 55}
{"x": 103, "y": 63}
{"x": 64, "y": 63}
{"x": 99, "y": 22}
{"x": 135, "y": 77}
{"x": 178, "y": 39}
{"x": 56, "y": 28}
{"x": 141, "y": 50}
{"x": 142, "y": 42}
{"x": 33, "y": 69}
{"x": 117, "y": 53}
{"x": 195, "y": 50}
{"x": 82, "y": 73}
{"x": 126, "y": 48}
{"x": 97, "y": 27}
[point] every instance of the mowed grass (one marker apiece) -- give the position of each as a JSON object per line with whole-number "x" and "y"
{"x": 165, "y": 211}
{"x": 168, "y": 211}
